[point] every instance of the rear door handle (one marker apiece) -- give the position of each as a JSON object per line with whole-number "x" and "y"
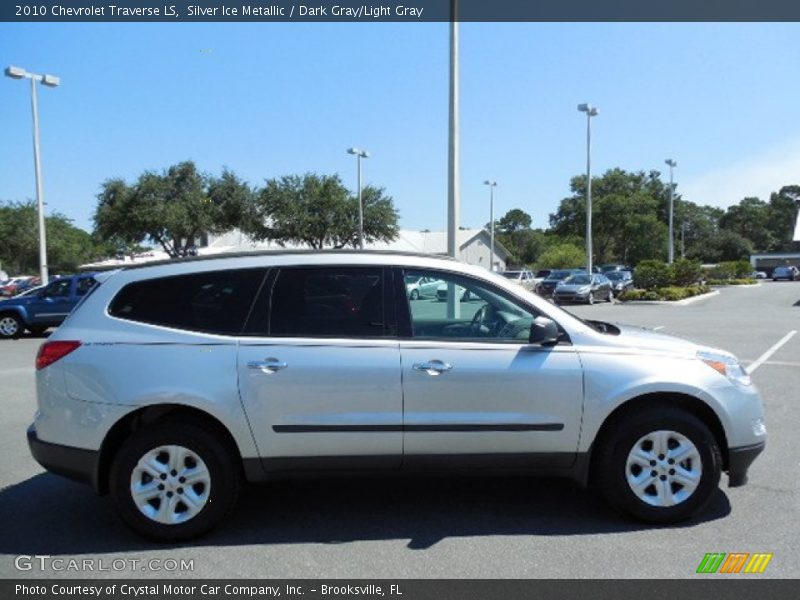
{"x": 268, "y": 365}
{"x": 433, "y": 367}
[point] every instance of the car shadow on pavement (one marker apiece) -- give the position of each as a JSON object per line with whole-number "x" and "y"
{"x": 47, "y": 514}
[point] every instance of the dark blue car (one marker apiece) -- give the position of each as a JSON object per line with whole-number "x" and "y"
{"x": 46, "y": 308}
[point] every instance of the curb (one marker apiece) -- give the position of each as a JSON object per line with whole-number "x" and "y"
{"x": 684, "y": 302}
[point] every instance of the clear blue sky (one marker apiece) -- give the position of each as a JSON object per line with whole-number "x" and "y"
{"x": 274, "y": 99}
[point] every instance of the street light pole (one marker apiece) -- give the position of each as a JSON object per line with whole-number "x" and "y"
{"x": 591, "y": 111}
{"x": 671, "y": 253}
{"x": 453, "y": 187}
{"x": 492, "y": 185}
{"x": 50, "y": 81}
{"x": 359, "y": 155}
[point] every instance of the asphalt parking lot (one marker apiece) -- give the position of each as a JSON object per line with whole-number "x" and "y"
{"x": 454, "y": 528}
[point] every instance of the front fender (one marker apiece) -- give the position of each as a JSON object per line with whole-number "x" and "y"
{"x": 612, "y": 380}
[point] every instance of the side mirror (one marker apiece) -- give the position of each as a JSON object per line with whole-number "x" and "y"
{"x": 544, "y": 332}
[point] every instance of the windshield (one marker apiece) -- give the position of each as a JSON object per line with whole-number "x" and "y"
{"x": 618, "y": 275}
{"x": 580, "y": 279}
{"x": 559, "y": 275}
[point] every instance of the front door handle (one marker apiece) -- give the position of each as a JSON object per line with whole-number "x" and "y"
{"x": 268, "y": 365}
{"x": 433, "y": 367}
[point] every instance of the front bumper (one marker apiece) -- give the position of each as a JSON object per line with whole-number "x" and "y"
{"x": 739, "y": 461}
{"x": 74, "y": 463}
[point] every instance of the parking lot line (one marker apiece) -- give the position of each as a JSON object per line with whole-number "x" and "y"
{"x": 764, "y": 357}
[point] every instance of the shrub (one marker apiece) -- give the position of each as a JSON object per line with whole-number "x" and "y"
{"x": 670, "y": 293}
{"x": 732, "y": 269}
{"x": 744, "y": 281}
{"x": 651, "y": 274}
{"x": 685, "y": 272}
{"x": 674, "y": 293}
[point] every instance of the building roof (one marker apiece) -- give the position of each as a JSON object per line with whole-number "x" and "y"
{"x": 236, "y": 242}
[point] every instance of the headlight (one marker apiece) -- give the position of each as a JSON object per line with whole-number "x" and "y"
{"x": 725, "y": 365}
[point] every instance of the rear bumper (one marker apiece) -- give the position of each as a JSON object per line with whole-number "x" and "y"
{"x": 74, "y": 463}
{"x": 739, "y": 461}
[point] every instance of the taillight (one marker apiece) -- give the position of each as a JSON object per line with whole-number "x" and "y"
{"x": 50, "y": 352}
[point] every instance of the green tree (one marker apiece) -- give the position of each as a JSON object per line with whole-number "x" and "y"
{"x": 750, "y": 218}
{"x": 317, "y": 210}
{"x": 67, "y": 246}
{"x": 726, "y": 246}
{"x": 783, "y": 209}
{"x": 513, "y": 230}
{"x": 172, "y": 208}
{"x": 562, "y": 256}
{"x": 627, "y": 225}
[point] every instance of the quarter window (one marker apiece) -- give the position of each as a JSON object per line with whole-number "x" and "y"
{"x": 328, "y": 302}
{"x": 212, "y": 302}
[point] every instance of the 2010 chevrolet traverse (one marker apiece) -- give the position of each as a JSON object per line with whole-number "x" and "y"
{"x": 173, "y": 383}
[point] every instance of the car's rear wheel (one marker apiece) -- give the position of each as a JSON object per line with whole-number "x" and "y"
{"x": 10, "y": 326}
{"x": 661, "y": 465}
{"x": 37, "y": 330}
{"x": 174, "y": 481}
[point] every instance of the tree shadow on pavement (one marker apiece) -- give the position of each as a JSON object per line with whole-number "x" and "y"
{"x": 47, "y": 514}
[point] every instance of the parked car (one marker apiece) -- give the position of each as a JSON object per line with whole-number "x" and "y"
{"x": 789, "y": 273}
{"x": 421, "y": 287}
{"x": 620, "y": 281}
{"x": 548, "y": 285}
{"x": 524, "y": 278}
{"x": 462, "y": 293}
{"x": 758, "y": 275}
{"x": 47, "y": 308}
{"x": 583, "y": 288}
{"x": 12, "y": 286}
{"x": 173, "y": 382}
{"x": 540, "y": 276}
{"x": 605, "y": 269}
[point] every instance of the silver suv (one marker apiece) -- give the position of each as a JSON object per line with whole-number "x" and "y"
{"x": 173, "y": 383}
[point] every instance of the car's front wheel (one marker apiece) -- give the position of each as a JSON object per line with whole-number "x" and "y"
{"x": 660, "y": 465}
{"x": 174, "y": 481}
{"x": 10, "y": 326}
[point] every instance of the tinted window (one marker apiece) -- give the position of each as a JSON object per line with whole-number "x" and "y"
{"x": 213, "y": 302}
{"x": 328, "y": 302}
{"x": 84, "y": 285}
{"x": 58, "y": 288}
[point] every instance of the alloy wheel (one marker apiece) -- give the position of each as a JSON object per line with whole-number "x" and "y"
{"x": 663, "y": 468}
{"x": 9, "y": 326}
{"x": 170, "y": 484}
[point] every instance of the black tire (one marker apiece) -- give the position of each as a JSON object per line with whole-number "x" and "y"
{"x": 414, "y": 295}
{"x": 590, "y": 300}
{"x": 37, "y": 330}
{"x": 11, "y": 326}
{"x": 204, "y": 441}
{"x": 609, "y": 467}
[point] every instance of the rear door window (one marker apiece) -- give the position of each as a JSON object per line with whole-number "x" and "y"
{"x": 328, "y": 302}
{"x": 212, "y": 301}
